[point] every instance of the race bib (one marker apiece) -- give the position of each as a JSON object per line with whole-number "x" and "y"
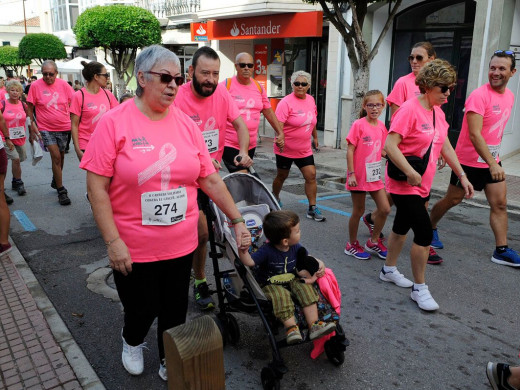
{"x": 164, "y": 207}
{"x": 373, "y": 170}
{"x": 494, "y": 150}
{"x": 211, "y": 139}
{"x": 17, "y": 132}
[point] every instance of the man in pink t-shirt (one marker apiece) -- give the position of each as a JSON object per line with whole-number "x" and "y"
{"x": 251, "y": 99}
{"x": 210, "y": 106}
{"x": 487, "y": 111}
{"x": 48, "y": 102}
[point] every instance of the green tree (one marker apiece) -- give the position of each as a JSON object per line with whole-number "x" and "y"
{"x": 10, "y": 61}
{"x": 120, "y": 30}
{"x": 359, "y": 53}
{"x": 40, "y": 47}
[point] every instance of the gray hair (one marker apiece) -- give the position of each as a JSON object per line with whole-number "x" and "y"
{"x": 50, "y": 62}
{"x": 242, "y": 54}
{"x": 14, "y": 83}
{"x": 301, "y": 73}
{"x": 148, "y": 58}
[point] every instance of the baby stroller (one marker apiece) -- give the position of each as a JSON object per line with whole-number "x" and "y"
{"x": 236, "y": 288}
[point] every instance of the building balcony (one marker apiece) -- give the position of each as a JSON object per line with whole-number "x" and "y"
{"x": 185, "y": 9}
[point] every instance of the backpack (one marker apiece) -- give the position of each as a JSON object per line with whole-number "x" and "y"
{"x": 83, "y": 101}
{"x": 260, "y": 89}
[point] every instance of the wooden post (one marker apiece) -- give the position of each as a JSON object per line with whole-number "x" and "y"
{"x": 194, "y": 356}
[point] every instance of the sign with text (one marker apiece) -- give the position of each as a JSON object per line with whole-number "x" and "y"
{"x": 261, "y": 65}
{"x": 199, "y": 32}
{"x": 302, "y": 24}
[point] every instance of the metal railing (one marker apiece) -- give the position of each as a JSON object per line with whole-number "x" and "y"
{"x": 165, "y": 8}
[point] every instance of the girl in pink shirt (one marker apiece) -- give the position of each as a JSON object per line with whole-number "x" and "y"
{"x": 89, "y": 104}
{"x": 366, "y": 139}
{"x": 418, "y": 126}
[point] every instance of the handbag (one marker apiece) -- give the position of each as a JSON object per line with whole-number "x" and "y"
{"x": 419, "y": 164}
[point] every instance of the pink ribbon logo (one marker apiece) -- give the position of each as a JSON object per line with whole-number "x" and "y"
{"x": 102, "y": 111}
{"x": 54, "y": 101}
{"x": 247, "y": 109}
{"x": 167, "y": 155}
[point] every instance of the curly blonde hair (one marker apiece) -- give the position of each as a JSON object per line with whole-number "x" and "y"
{"x": 435, "y": 73}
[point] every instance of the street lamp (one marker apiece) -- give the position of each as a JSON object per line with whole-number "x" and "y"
{"x": 25, "y": 25}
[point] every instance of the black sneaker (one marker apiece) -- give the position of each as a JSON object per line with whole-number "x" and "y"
{"x": 8, "y": 199}
{"x": 433, "y": 257}
{"x": 497, "y": 374}
{"x": 63, "y": 197}
{"x": 203, "y": 297}
{"x": 18, "y": 187}
{"x": 53, "y": 184}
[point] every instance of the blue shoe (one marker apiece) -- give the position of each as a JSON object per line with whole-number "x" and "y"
{"x": 356, "y": 250}
{"x": 436, "y": 243}
{"x": 509, "y": 257}
{"x": 315, "y": 214}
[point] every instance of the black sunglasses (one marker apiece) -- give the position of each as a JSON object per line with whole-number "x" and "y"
{"x": 48, "y": 74}
{"x": 243, "y": 65}
{"x": 297, "y": 84}
{"x": 419, "y": 58}
{"x": 445, "y": 88}
{"x": 107, "y": 75}
{"x": 167, "y": 78}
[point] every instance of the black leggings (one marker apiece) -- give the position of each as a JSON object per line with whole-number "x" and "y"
{"x": 158, "y": 289}
{"x": 411, "y": 214}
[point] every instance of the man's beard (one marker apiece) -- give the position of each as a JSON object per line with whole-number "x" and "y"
{"x": 200, "y": 91}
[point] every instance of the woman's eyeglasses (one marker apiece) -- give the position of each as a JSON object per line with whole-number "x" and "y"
{"x": 297, "y": 84}
{"x": 372, "y": 106}
{"x": 445, "y": 88}
{"x": 243, "y": 65}
{"x": 167, "y": 78}
{"x": 107, "y": 75}
{"x": 419, "y": 58}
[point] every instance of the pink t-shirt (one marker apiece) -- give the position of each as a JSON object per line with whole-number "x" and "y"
{"x": 3, "y": 94}
{"x": 250, "y": 101}
{"x": 14, "y": 116}
{"x": 495, "y": 109}
{"x": 51, "y": 104}
{"x": 94, "y": 107}
{"x": 143, "y": 156}
{"x": 210, "y": 114}
{"x": 369, "y": 141}
{"x": 415, "y": 124}
{"x": 404, "y": 89}
{"x": 299, "y": 117}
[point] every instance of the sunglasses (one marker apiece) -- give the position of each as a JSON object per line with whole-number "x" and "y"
{"x": 167, "y": 78}
{"x": 47, "y": 74}
{"x": 107, "y": 75}
{"x": 445, "y": 88}
{"x": 376, "y": 105}
{"x": 297, "y": 84}
{"x": 419, "y": 58}
{"x": 243, "y": 65}
{"x": 506, "y": 52}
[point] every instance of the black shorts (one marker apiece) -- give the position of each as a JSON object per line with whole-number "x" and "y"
{"x": 411, "y": 214}
{"x": 202, "y": 200}
{"x": 229, "y": 156}
{"x": 286, "y": 162}
{"x": 478, "y": 177}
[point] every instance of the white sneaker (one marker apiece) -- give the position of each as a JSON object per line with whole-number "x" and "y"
{"x": 162, "y": 371}
{"x": 395, "y": 277}
{"x": 132, "y": 358}
{"x": 424, "y": 299}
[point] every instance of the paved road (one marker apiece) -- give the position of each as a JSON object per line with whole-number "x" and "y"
{"x": 393, "y": 344}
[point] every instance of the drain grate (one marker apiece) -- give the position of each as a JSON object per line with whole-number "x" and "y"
{"x": 299, "y": 189}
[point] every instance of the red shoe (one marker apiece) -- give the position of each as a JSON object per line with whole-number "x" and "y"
{"x": 433, "y": 257}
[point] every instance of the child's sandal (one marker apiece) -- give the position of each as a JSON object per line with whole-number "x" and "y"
{"x": 293, "y": 334}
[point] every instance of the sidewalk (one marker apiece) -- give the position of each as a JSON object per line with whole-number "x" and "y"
{"x": 36, "y": 349}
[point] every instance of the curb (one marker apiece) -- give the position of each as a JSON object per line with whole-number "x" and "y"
{"x": 77, "y": 360}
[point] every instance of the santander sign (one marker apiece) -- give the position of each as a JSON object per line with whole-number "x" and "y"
{"x": 246, "y": 29}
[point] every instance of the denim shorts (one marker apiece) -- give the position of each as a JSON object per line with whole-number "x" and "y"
{"x": 59, "y": 138}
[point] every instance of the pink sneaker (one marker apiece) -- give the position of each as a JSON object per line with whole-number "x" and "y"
{"x": 356, "y": 250}
{"x": 377, "y": 249}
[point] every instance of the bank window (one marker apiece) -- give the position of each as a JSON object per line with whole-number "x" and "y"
{"x": 6, "y": 43}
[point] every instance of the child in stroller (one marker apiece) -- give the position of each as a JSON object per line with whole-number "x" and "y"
{"x": 276, "y": 273}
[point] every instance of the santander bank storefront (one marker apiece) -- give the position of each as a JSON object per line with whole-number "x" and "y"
{"x": 280, "y": 45}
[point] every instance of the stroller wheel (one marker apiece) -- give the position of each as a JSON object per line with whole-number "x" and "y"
{"x": 334, "y": 353}
{"x": 232, "y": 329}
{"x": 269, "y": 379}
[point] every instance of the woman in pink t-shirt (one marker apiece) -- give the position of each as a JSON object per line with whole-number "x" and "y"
{"x": 15, "y": 113}
{"x": 366, "y": 139}
{"x": 419, "y": 128}
{"x": 145, "y": 161}
{"x": 89, "y": 104}
{"x": 298, "y": 115}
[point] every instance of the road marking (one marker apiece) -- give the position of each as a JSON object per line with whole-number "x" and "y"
{"x": 334, "y": 196}
{"x": 24, "y": 221}
{"x": 340, "y": 212}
